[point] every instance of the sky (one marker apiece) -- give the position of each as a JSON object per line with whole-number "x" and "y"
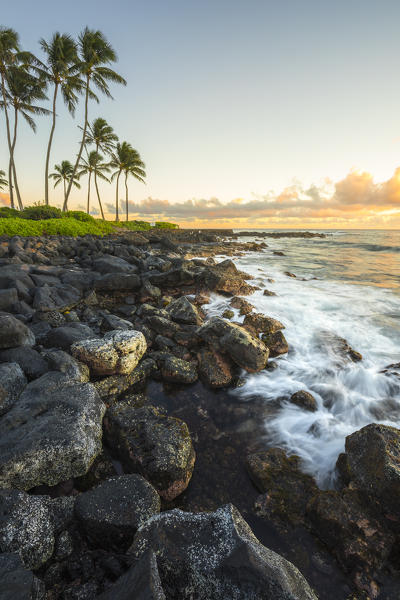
{"x": 247, "y": 114}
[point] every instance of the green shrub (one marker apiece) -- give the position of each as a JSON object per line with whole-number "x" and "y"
{"x": 6, "y": 212}
{"x": 65, "y": 226}
{"x": 37, "y": 213}
{"x": 166, "y": 225}
{"x": 79, "y": 215}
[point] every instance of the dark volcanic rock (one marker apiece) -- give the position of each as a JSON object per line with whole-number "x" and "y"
{"x": 52, "y": 433}
{"x": 225, "y": 278}
{"x": 336, "y": 347}
{"x": 26, "y": 527}
{"x": 16, "y": 582}
{"x": 112, "y": 512}
{"x": 62, "y": 297}
{"x": 177, "y": 370}
{"x": 215, "y": 555}
{"x": 113, "y": 264}
{"x": 113, "y": 282}
{"x": 259, "y": 323}
{"x": 304, "y": 400}
{"x": 152, "y": 444}
{"x": 30, "y": 361}
{"x": 14, "y": 333}
{"x": 215, "y": 370}
{"x": 58, "y": 360}
{"x": 276, "y": 343}
{"x": 111, "y": 322}
{"x": 182, "y": 310}
{"x": 114, "y": 385}
{"x": 8, "y": 298}
{"x": 12, "y": 383}
{"x": 64, "y": 337}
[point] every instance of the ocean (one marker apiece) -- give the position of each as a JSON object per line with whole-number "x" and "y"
{"x": 347, "y": 284}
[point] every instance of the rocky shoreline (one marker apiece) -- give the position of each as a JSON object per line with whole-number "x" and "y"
{"x": 117, "y": 433}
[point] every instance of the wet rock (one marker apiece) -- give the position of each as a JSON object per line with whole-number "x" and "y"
{"x": 393, "y": 370}
{"x": 343, "y": 470}
{"x": 113, "y": 264}
{"x": 17, "y": 582}
{"x": 276, "y": 343}
{"x": 177, "y": 370}
{"x": 26, "y": 527}
{"x": 65, "y": 337}
{"x": 373, "y": 455}
{"x": 304, "y": 400}
{"x": 113, "y": 511}
{"x": 289, "y": 274}
{"x": 30, "y": 361}
{"x": 141, "y": 582}
{"x": 215, "y": 555}
{"x": 245, "y": 350}
{"x": 336, "y": 347}
{"x": 113, "y": 282}
{"x": 152, "y": 444}
{"x": 12, "y": 384}
{"x": 58, "y": 360}
{"x": 226, "y": 279}
{"x": 62, "y": 297}
{"x": 228, "y": 314}
{"x": 243, "y": 305}
{"x": 287, "y": 489}
{"x": 215, "y": 370}
{"x": 268, "y": 293}
{"x": 14, "y": 333}
{"x": 259, "y": 323}
{"x": 182, "y": 310}
{"x": 52, "y": 433}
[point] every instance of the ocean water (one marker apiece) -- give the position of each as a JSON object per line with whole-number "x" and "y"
{"x": 348, "y": 284}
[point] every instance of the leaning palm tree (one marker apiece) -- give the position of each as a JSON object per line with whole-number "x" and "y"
{"x": 102, "y": 135}
{"x": 23, "y": 90}
{"x": 125, "y": 158}
{"x": 95, "y": 53}
{"x": 3, "y": 180}
{"x": 64, "y": 173}
{"x": 59, "y": 71}
{"x": 136, "y": 168}
{"x": 93, "y": 165}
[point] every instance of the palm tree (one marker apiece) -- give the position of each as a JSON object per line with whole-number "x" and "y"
{"x": 59, "y": 70}
{"x": 64, "y": 173}
{"x": 123, "y": 159}
{"x": 135, "y": 167}
{"x": 22, "y": 92}
{"x": 102, "y": 135}
{"x": 93, "y": 165}
{"x": 8, "y": 51}
{"x": 3, "y": 180}
{"x": 95, "y": 53}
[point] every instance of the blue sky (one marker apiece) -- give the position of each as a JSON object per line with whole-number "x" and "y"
{"x": 229, "y": 99}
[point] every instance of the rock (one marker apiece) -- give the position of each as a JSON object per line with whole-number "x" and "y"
{"x": 228, "y": 314}
{"x": 118, "y": 352}
{"x": 243, "y": 305}
{"x": 10, "y": 275}
{"x": 52, "y": 433}
{"x": 304, "y": 400}
{"x": 12, "y": 383}
{"x": 116, "y": 282}
{"x": 8, "y": 298}
{"x": 54, "y": 317}
{"x": 113, "y": 511}
{"x": 14, "y": 333}
{"x": 245, "y": 350}
{"x": 226, "y": 279}
{"x": 30, "y": 361}
{"x": 111, "y": 322}
{"x": 101, "y": 469}
{"x": 162, "y": 326}
{"x": 62, "y": 297}
{"x": 287, "y": 489}
{"x": 140, "y": 582}
{"x": 149, "y": 292}
{"x": 65, "y": 337}
{"x": 182, "y": 310}
{"x": 276, "y": 342}
{"x": 259, "y": 323}
{"x": 113, "y": 264}
{"x": 17, "y": 582}
{"x": 268, "y": 293}
{"x": 216, "y": 555}
{"x": 373, "y": 455}
{"x": 26, "y": 527}
{"x": 152, "y": 444}
{"x": 58, "y": 360}
{"x": 177, "y": 370}
{"x": 215, "y": 370}
{"x": 336, "y": 347}
{"x": 115, "y": 385}
{"x": 350, "y": 530}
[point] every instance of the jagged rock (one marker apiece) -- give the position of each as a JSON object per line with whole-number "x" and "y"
{"x": 162, "y": 326}
{"x": 276, "y": 343}
{"x": 152, "y": 444}
{"x": 112, "y": 322}
{"x": 112, "y": 512}
{"x": 214, "y": 369}
{"x": 17, "y": 582}
{"x": 52, "y": 433}
{"x": 243, "y": 305}
{"x": 216, "y": 555}
{"x": 226, "y": 279}
{"x": 14, "y": 333}
{"x": 30, "y": 361}
{"x": 26, "y": 527}
{"x": 182, "y": 310}
{"x": 65, "y": 337}
{"x": 58, "y": 360}
{"x": 177, "y": 370}
{"x": 149, "y": 292}
{"x": 12, "y": 383}
{"x": 373, "y": 457}
{"x": 248, "y": 352}
{"x": 304, "y": 400}
{"x": 259, "y": 323}
{"x": 113, "y": 264}
{"x": 62, "y": 297}
{"x": 113, "y": 282}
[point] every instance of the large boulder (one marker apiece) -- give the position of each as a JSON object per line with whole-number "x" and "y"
{"x": 57, "y": 297}
{"x": 112, "y": 512}
{"x": 182, "y": 310}
{"x": 152, "y": 444}
{"x": 117, "y": 282}
{"x": 14, "y": 333}
{"x": 12, "y": 383}
{"x": 113, "y": 264}
{"x": 336, "y": 347}
{"x": 26, "y": 527}
{"x": 216, "y": 555}
{"x": 259, "y": 323}
{"x": 373, "y": 456}
{"x": 30, "y": 361}
{"x": 247, "y": 351}
{"x": 276, "y": 342}
{"x": 226, "y": 279}
{"x": 17, "y": 582}
{"x": 118, "y": 352}
{"x": 64, "y": 337}
{"x": 52, "y": 433}
{"x": 215, "y": 370}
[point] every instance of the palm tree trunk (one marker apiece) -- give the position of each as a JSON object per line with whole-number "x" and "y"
{"x": 116, "y": 199}
{"x": 126, "y": 196}
{"x": 53, "y": 126}
{"x": 88, "y": 193}
{"x": 20, "y": 205}
{"x": 3, "y": 88}
{"x": 82, "y": 143}
{"x": 97, "y": 187}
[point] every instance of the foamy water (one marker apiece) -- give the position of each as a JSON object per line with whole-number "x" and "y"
{"x": 349, "y": 395}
